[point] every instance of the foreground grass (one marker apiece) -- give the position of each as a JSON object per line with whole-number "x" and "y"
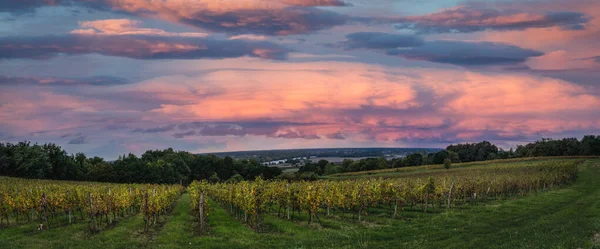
{"x": 126, "y": 234}
{"x": 562, "y": 218}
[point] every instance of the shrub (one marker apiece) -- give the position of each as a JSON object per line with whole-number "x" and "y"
{"x": 447, "y": 163}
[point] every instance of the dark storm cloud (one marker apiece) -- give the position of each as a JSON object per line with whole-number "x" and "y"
{"x": 137, "y": 47}
{"x": 497, "y": 136}
{"x": 78, "y": 140}
{"x": 584, "y": 77}
{"x": 56, "y": 81}
{"x": 210, "y": 129}
{"x": 337, "y": 135}
{"x": 316, "y": 2}
{"x": 222, "y": 130}
{"x": 243, "y": 128}
{"x": 290, "y": 134}
{"x": 466, "y": 19}
{"x": 20, "y": 6}
{"x": 71, "y": 135}
{"x": 287, "y": 17}
{"x": 450, "y": 52}
{"x": 378, "y": 40}
{"x": 288, "y": 21}
{"x": 282, "y": 17}
{"x": 160, "y": 129}
{"x": 184, "y": 134}
{"x": 466, "y": 53}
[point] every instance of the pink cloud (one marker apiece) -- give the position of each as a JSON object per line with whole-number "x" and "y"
{"x": 125, "y": 27}
{"x": 560, "y": 60}
{"x": 136, "y": 46}
{"x": 385, "y": 101}
{"x": 321, "y": 102}
{"x": 565, "y": 47}
{"x": 248, "y": 37}
{"x": 234, "y": 16}
{"x": 479, "y": 17}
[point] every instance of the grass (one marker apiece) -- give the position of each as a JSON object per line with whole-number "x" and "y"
{"x": 562, "y": 218}
{"x": 438, "y": 168}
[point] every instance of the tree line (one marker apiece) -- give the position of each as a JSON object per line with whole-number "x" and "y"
{"x": 457, "y": 153}
{"x": 50, "y": 161}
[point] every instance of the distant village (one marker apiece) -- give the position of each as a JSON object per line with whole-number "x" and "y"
{"x": 296, "y": 161}
{"x": 301, "y": 161}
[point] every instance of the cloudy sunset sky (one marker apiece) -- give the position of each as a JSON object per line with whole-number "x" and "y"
{"x": 108, "y": 77}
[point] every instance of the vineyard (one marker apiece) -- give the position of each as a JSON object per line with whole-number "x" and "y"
{"x": 52, "y": 203}
{"x": 248, "y": 201}
{"x": 540, "y": 203}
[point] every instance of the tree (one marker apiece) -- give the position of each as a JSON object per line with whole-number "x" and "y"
{"x": 57, "y": 158}
{"x": 225, "y": 171}
{"x": 447, "y": 163}
{"x": 317, "y": 168}
{"x": 101, "y": 171}
{"x": 214, "y": 178}
{"x": 414, "y": 159}
{"x": 346, "y": 165}
{"x": 382, "y": 163}
{"x": 469, "y": 152}
{"x": 332, "y": 169}
{"x": 440, "y": 156}
{"x": 321, "y": 166}
{"x": 235, "y": 178}
{"x": 454, "y": 157}
{"x": 590, "y": 145}
{"x": 424, "y": 158}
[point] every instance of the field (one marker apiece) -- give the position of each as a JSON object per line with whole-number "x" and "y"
{"x": 563, "y": 215}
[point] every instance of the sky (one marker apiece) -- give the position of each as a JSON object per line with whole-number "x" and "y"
{"x": 110, "y": 77}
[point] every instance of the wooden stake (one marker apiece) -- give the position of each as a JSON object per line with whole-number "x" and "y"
{"x": 201, "y": 211}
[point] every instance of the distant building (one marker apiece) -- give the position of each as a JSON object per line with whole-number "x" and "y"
{"x": 274, "y": 162}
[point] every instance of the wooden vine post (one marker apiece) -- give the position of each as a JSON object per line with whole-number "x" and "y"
{"x": 450, "y": 194}
{"x": 146, "y": 221}
{"x": 109, "y": 208}
{"x": 201, "y": 212}
{"x": 287, "y": 188}
{"x": 154, "y": 211}
{"x": 43, "y": 211}
{"x": 396, "y": 203}
{"x": 94, "y": 226}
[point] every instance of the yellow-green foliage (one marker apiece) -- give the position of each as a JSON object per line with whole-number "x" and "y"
{"x": 42, "y": 199}
{"x": 509, "y": 179}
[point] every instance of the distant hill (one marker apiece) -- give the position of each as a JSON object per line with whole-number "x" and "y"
{"x": 269, "y": 155}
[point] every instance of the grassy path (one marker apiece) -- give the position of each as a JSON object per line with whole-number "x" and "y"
{"x": 225, "y": 232}
{"x": 563, "y": 218}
